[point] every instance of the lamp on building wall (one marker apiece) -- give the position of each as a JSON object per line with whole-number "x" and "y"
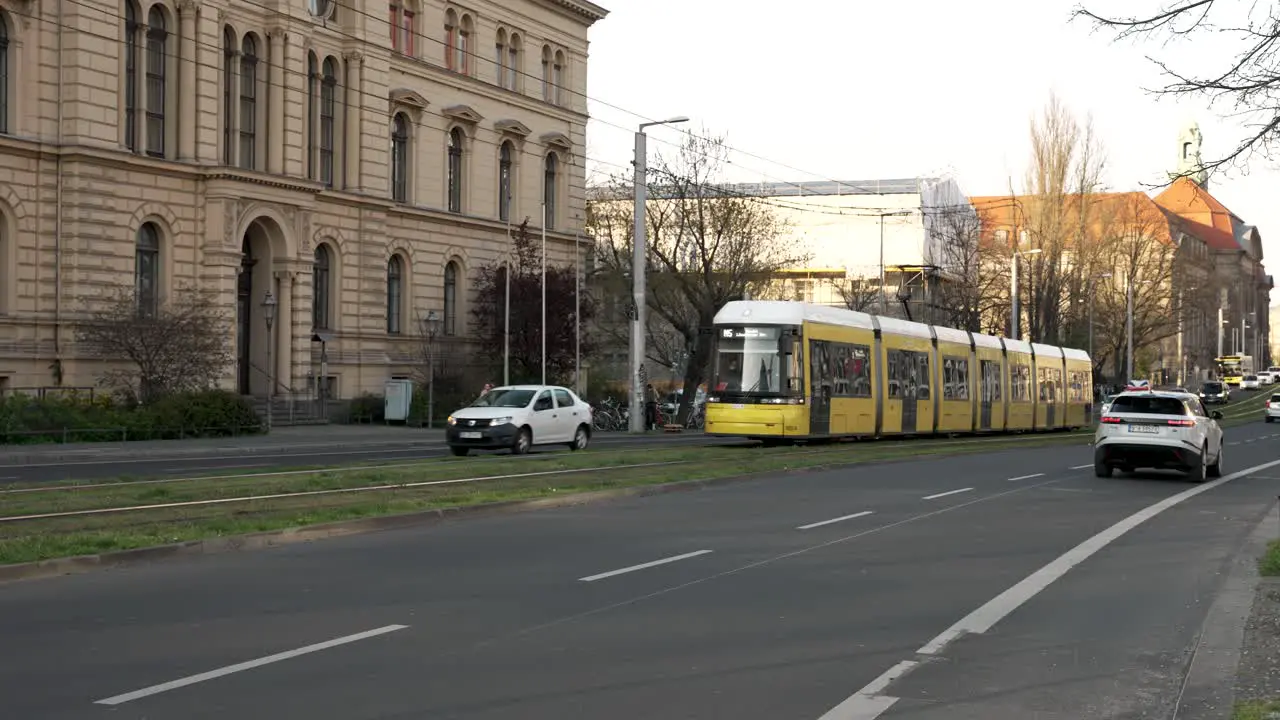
{"x": 269, "y": 316}
{"x": 432, "y": 327}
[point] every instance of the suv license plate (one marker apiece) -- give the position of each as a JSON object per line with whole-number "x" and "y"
{"x": 1147, "y": 429}
{"x": 470, "y": 435}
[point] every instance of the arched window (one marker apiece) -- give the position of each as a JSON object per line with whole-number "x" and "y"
{"x": 549, "y": 171}
{"x": 455, "y": 170}
{"x": 395, "y": 293}
{"x": 230, "y": 51}
{"x": 400, "y": 159}
{"x": 546, "y": 73}
{"x": 157, "y": 77}
{"x": 513, "y": 62}
{"x": 248, "y": 103}
{"x": 465, "y": 30}
{"x": 313, "y": 80}
{"x": 557, "y": 78}
{"x": 328, "y": 111}
{"x": 451, "y": 45}
{"x": 130, "y": 74}
{"x": 451, "y": 298}
{"x": 402, "y": 26}
{"x": 321, "y": 284}
{"x": 504, "y": 181}
{"x": 146, "y": 269}
{"x": 500, "y": 57}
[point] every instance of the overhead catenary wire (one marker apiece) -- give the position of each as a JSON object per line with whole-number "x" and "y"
{"x": 772, "y": 201}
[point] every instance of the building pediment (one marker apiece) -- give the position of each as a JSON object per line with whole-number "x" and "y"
{"x": 462, "y": 113}
{"x": 512, "y": 127}
{"x": 556, "y": 139}
{"x": 409, "y": 98}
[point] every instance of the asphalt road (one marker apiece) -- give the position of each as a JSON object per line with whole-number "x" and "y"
{"x": 781, "y": 598}
{"x": 214, "y": 461}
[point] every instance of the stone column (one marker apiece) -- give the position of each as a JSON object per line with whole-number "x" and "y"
{"x": 188, "y": 56}
{"x": 355, "y": 111}
{"x": 284, "y": 335}
{"x": 277, "y": 39}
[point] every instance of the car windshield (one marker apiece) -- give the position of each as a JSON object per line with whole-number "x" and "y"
{"x": 504, "y": 398}
{"x": 1212, "y": 387}
{"x": 1148, "y": 405}
{"x": 1250, "y": 377}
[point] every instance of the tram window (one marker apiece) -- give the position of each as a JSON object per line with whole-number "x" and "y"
{"x": 990, "y": 380}
{"x": 922, "y": 375}
{"x": 1020, "y": 382}
{"x": 955, "y": 379}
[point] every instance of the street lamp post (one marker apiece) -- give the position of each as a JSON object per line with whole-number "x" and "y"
{"x": 1014, "y": 317}
{"x": 884, "y": 298}
{"x": 432, "y": 327}
{"x": 269, "y": 315}
{"x": 638, "y": 268}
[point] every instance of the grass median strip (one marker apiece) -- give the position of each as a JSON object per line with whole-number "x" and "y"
{"x": 1257, "y": 710}
{"x": 505, "y": 479}
{"x": 1269, "y": 563}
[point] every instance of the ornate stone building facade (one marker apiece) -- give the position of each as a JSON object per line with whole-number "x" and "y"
{"x": 356, "y": 160}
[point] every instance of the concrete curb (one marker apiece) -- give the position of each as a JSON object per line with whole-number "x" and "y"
{"x": 1209, "y": 687}
{"x": 176, "y": 453}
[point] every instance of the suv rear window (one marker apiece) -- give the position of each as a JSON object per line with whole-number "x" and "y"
{"x": 1250, "y": 377}
{"x": 1149, "y": 406}
{"x": 1275, "y": 398}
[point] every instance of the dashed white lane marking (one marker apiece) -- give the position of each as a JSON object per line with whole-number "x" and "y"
{"x": 1025, "y": 477}
{"x": 868, "y": 706}
{"x": 842, "y": 518}
{"x": 1234, "y": 443}
{"x": 643, "y": 566}
{"x": 944, "y": 494}
{"x": 193, "y": 679}
{"x": 1080, "y": 467}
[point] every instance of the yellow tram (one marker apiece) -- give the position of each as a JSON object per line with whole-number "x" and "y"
{"x": 795, "y": 371}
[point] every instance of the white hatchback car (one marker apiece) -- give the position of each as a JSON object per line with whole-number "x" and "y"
{"x": 1272, "y": 410}
{"x": 1249, "y": 382}
{"x": 1162, "y": 430}
{"x": 519, "y": 417}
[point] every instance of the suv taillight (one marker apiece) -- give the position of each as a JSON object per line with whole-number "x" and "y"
{"x": 1182, "y": 423}
{"x": 1110, "y": 420}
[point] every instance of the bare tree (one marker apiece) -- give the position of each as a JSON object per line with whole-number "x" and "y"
{"x": 861, "y": 294}
{"x": 180, "y": 345}
{"x": 968, "y": 290}
{"x": 1061, "y": 186}
{"x": 1137, "y": 249}
{"x": 706, "y": 246}
{"x": 1247, "y": 83}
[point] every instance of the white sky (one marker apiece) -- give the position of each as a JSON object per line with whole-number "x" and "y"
{"x": 859, "y": 90}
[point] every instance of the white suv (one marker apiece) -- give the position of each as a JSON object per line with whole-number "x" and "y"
{"x": 1164, "y": 430}
{"x": 1272, "y": 410}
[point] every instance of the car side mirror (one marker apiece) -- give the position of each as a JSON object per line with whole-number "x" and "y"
{"x": 1216, "y": 415}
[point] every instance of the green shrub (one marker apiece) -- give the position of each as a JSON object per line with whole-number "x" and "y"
{"x": 210, "y": 413}
{"x": 367, "y": 407}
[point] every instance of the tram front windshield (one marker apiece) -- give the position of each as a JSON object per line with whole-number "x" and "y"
{"x": 756, "y": 360}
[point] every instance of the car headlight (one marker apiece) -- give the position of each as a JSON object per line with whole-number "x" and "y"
{"x": 500, "y": 421}
{"x": 452, "y": 420}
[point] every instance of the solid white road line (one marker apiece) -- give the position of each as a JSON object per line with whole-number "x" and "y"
{"x": 868, "y": 703}
{"x": 193, "y": 679}
{"x": 842, "y": 518}
{"x": 944, "y": 494}
{"x": 864, "y": 705}
{"x": 1081, "y": 467}
{"x": 643, "y": 566}
{"x": 1025, "y": 477}
{"x": 981, "y": 620}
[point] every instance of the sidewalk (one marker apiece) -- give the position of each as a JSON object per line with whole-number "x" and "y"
{"x": 280, "y": 440}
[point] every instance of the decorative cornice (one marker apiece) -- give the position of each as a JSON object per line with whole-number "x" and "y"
{"x": 190, "y": 7}
{"x": 462, "y": 113}
{"x": 408, "y": 98}
{"x": 512, "y": 127}
{"x": 585, "y": 10}
{"x": 557, "y": 139}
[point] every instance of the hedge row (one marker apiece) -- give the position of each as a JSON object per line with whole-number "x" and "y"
{"x": 212, "y": 413}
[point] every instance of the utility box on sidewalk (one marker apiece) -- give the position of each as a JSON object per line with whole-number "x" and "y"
{"x": 398, "y": 396}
